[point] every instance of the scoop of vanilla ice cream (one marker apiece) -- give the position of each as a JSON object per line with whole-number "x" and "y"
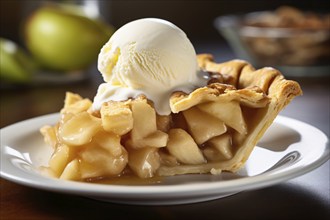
{"x": 147, "y": 56}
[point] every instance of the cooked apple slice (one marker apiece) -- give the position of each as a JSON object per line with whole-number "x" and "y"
{"x": 71, "y": 171}
{"x": 156, "y": 139}
{"x": 49, "y": 133}
{"x": 144, "y": 162}
{"x": 219, "y": 148}
{"x": 96, "y": 161}
{"x": 228, "y": 112}
{"x": 183, "y": 147}
{"x": 117, "y": 117}
{"x": 144, "y": 117}
{"x": 109, "y": 142}
{"x": 79, "y": 129}
{"x": 60, "y": 158}
{"x": 203, "y": 126}
{"x": 74, "y": 103}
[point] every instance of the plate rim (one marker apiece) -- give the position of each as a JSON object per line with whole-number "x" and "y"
{"x": 150, "y": 191}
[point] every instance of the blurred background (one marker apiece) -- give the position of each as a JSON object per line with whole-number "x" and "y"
{"x": 196, "y": 18}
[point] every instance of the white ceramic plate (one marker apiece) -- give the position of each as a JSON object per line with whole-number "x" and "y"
{"x": 288, "y": 149}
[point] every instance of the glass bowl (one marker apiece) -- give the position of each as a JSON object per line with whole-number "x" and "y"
{"x": 302, "y": 49}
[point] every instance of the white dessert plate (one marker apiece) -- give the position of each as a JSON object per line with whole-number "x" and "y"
{"x": 289, "y": 149}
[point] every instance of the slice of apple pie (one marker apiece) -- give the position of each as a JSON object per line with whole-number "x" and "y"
{"x": 227, "y": 118}
{"x": 210, "y": 130}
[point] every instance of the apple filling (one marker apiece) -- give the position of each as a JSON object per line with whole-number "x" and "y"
{"x": 210, "y": 130}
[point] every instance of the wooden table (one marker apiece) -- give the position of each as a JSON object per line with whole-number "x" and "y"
{"x": 306, "y": 196}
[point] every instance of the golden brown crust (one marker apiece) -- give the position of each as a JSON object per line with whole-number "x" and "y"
{"x": 230, "y": 70}
{"x": 216, "y": 92}
{"x": 241, "y": 74}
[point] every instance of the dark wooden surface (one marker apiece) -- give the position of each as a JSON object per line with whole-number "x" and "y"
{"x": 306, "y": 196}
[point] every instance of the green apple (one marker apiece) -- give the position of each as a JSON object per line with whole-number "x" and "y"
{"x": 15, "y": 64}
{"x": 62, "y": 38}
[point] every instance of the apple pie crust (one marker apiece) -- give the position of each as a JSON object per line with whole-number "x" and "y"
{"x": 210, "y": 130}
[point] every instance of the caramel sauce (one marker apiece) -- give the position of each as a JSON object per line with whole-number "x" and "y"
{"x": 127, "y": 177}
{"x": 130, "y": 180}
